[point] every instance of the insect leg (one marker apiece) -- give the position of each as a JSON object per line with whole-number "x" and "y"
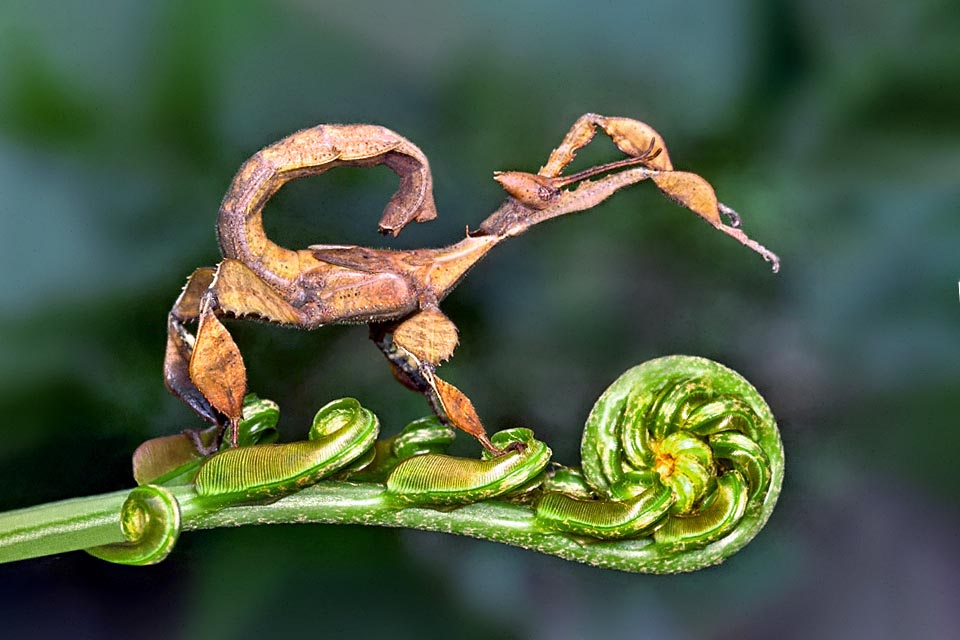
{"x": 206, "y": 369}
{"x": 414, "y": 347}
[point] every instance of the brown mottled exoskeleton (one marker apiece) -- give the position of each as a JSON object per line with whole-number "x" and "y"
{"x": 397, "y": 293}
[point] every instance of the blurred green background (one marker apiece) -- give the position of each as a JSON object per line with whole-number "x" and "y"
{"x": 831, "y": 125}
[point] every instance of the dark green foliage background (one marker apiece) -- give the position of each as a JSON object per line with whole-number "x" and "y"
{"x": 831, "y": 126}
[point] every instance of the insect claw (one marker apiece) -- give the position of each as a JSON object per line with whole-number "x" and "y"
{"x": 746, "y": 241}
{"x": 495, "y": 451}
{"x": 517, "y": 446}
{"x": 196, "y": 438}
{"x": 774, "y": 259}
{"x": 484, "y": 440}
{"x": 732, "y": 216}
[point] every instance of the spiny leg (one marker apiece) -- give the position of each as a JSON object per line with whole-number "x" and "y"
{"x": 176, "y": 363}
{"x": 180, "y": 341}
{"x": 639, "y": 141}
{"x": 414, "y": 347}
{"x": 542, "y": 197}
{"x": 206, "y": 370}
{"x": 634, "y": 138}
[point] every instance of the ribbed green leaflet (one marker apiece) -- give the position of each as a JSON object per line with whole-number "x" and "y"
{"x": 342, "y": 432}
{"x": 440, "y": 479}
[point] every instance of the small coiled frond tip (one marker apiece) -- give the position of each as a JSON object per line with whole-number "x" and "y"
{"x": 150, "y": 521}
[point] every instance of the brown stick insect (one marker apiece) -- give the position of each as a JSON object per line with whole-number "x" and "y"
{"x": 397, "y": 293}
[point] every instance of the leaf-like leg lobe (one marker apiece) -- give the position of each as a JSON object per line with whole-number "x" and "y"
{"x": 216, "y": 367}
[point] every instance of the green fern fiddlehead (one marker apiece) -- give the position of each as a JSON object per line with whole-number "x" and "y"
{"x": 682, "y": 466}
{"x": 150, "y": 522}
{"x": 682, "y": 450}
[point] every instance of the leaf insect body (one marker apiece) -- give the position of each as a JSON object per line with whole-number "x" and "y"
{"x": 397, "y": 293}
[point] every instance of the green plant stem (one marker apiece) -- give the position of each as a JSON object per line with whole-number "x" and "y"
{"x": 86, "y": 522}
{"x": 58, "y": 527}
